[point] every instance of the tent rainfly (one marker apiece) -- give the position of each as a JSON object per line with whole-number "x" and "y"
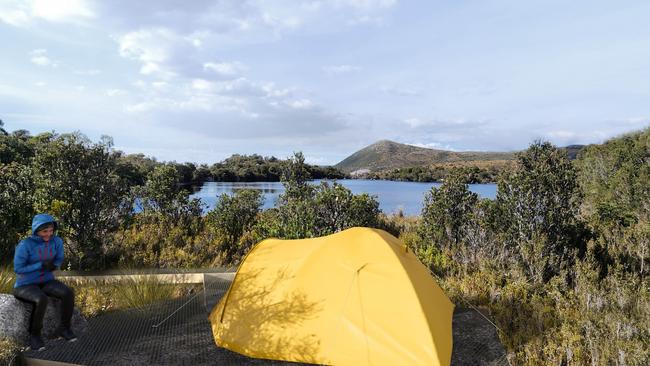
{"x": 357, "y": 297}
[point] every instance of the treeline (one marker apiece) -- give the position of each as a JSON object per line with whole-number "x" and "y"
{"x": 237, "y": 168}
{"x": 93, "y": 190}
{"x": 256, "y": 168}
{"x": 438, "y": 173}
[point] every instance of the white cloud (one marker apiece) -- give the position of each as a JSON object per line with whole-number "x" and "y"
{"x": 225, "y": 69}
{"x": 14, "y": 13}
{"x": 148, "y": 45}
{"x": 243, "y": 22}
{"x": 139, "y": 107}
{"x": 300, "y": 104}
{"x": 273, "y": 92}
{"x": 562, "y": 134}
{"x": 61, "y": 10}
{"x": 22, "y": 13}
{"x": 450, "y": 124}
{"x": 434, "y": 145}
{"x": 202, "y": 85}
{"x": 162, "y": 52}
{"x": 160, "y": 84}
{"x": 39, "y": 57}
{"x": 414, "y": 122}
{"x": 340, "y": 69}
{"x": 314, "y": 159}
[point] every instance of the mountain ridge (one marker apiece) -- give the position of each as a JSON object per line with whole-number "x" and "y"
{"x": 387, "y": 154}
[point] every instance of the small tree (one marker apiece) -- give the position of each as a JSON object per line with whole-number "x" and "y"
{"x": 76, "y": 181}
{"x": 447, "y": 211}
{"x": 16, "y": 187}
{"x": 539, "y": 200}
{"x": 161, "y": 192}
{"x": 338, "y": 209}
{"x": 296, "y": 212}
{"x": 232, "y": 216}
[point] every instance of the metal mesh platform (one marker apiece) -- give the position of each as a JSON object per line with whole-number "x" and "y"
{"x": 175, "y": 332}
{"x": 476, "y": 341}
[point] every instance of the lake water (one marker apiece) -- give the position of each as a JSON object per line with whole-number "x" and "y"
{"x": 392, "y": 196}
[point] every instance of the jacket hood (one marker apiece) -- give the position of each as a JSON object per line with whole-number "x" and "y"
{"x": 42, "y": 219}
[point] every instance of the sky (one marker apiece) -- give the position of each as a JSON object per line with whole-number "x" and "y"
{"x": 201, "y": 80}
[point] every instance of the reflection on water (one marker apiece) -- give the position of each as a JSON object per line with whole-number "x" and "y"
{"x": 392, "y": 196}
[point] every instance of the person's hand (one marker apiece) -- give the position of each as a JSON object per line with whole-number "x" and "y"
{"x": 49, "y": 265}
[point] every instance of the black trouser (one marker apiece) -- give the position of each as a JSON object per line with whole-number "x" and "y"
{"x": 37, "y": 295}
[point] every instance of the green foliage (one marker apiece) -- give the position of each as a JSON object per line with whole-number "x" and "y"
{"x": 16, "y": 147}
{"x": 296, "y": 215}
{"x": 16, "y": 203}
{"x": 153, "y": 239}
{"x": 161, "y": 192}
{"x": 559, "y": 261}
{"x": 438, "y": 173}
{"x": 7, "y": 279}
{"x": 134, "y": 168}
{"x": 167, "y": 232}
{"x": 337, "y": 209}
{"x": 76, "y": 181}
{"x": 295, "y": 178}
{"x": 231, "y": 217}
{"x": 9, "y": 352}
{"x": 305, "y": 210}
{"x": 94, "y": 298}
{"x": 539, "y": 200}
{"x": 447, "y": 211}
{"x": 615, "y": 180}
{"x": 256, "y": 168}
{"x": 141, "y": 291}
{"x": 551, "y": 305}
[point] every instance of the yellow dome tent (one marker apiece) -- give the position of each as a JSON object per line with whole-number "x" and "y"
{"x": 357, "y": 297}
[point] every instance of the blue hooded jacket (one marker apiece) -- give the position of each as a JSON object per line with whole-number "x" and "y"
{"x": 31, "y": 252}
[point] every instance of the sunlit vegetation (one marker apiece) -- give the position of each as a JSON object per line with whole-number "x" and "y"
{"x": 559, "y": 260}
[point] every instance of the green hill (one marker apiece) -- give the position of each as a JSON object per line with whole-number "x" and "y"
{"x": 385, "y": 154}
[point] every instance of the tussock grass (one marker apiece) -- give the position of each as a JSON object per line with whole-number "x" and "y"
{"x": 141, "y": 291}
{"x": 94, "y": 298}
{"x": 7, "y": 278}
{"x": 9, "y": 352}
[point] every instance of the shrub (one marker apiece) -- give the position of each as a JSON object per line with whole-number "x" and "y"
{"x": 7, "y": 279}
{"x": 9, "y": 352}
{"x": 231, "y": 217}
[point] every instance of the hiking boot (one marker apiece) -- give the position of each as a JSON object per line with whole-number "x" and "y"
{"x": 36, "y": 343}
{"x": 67, "y": 334}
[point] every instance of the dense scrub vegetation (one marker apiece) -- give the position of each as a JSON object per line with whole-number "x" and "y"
{"x": 559, "y": 260}
{"x": 255, "y": 168}
{"x": 438, "y": 173}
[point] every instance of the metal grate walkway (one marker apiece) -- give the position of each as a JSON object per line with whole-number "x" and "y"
{"x": 174, "y": 332}
{"x": 177, "y": 332}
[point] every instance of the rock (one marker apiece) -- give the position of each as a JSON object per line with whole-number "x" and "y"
{"x": 15, "y": 314}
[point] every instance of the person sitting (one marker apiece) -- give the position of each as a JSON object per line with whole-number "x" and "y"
{"x": 36, "y": 257}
